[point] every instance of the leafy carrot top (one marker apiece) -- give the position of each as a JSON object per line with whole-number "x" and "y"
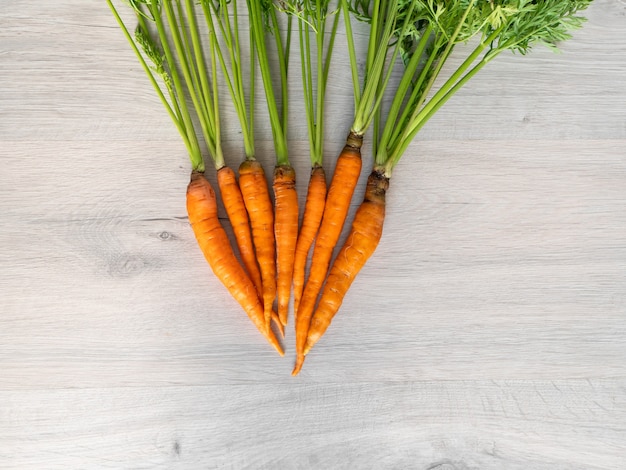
{"x": 424, "y": 33}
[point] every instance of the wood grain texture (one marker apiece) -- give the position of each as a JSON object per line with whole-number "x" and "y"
{"x": 488, "y": 331}
{"x": 543, "y": 425}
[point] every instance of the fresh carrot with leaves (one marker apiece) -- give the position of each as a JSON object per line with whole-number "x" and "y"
{"x": 205, "y": 100}
{"x": 222, "y": 19}
{"x": 316, "y": 47}
{"x": 513, "y": 25}
{"x": 178, "y": 61}
{"x": 264, "y": 19}
{"x": 222, "y": 16}
{"x": 378, "y": 68}
{"x": 224, "y": 23}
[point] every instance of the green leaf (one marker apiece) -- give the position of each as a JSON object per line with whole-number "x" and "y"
{"x": 532, "y": 22}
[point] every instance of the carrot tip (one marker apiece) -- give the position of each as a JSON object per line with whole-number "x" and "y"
{"x": 298, "y": 366}
{"x": 276, "y": 345}
{"x": 277, "y": 322}
{"x": 282, "y": 316}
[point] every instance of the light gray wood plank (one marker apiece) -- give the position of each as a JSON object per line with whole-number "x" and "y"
{"x": 456, "y": 425}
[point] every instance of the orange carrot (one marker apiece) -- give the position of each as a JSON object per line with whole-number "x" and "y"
{"x": 340, "y": 192}
{"x": 361, "y": 242}
{"x": 238, "y": 216}
{"x": 256, "y": 197}
{"x": 286, "y": 233}
{"x": 313, "y": 211}
{"x": 214, "y": 243}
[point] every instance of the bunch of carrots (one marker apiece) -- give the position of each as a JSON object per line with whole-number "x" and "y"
{"x": 188, "y": 47}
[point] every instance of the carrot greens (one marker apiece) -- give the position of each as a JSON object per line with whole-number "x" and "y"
{"x": 222, "y": 16}
{"x": 264, "y": 22}
{"x": 167, "y": 36}
{"x": 487, "y": 28}
{"x": 312, "y": 18}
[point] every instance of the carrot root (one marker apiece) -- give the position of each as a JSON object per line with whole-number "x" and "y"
{"x": 279, "y": 325}
{"x": 345, "y": 177}
{"x": 313, "y": 211}
{"x": 360, "y": 244}
{"x": 286, "y": 234}
{"x": 238, "y": 216}
{"x": 215, "y": 245}
{"x": 299, "y": 362}
{"x": 256, "y": 197}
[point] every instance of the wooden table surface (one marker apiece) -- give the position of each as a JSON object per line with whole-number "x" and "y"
{"x": 488, "y": 331}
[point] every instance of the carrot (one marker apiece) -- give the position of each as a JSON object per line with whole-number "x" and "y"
{"x": 286, "y": 233}
{"x": 259, "y": 206}
{"x": 214, "y": 243}
{"x": 361, "y": 242}
{"x": 264, "y": 24}
{"x": 367, "y": 100}
{"x": 316, "y": 47}
{"x": 313, "y": 211}
{"x": 340, "y": 192}
{"x": 238, "y": 216}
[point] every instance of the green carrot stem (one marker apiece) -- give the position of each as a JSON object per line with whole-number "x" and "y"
{"x": 403, "y": 88}
{"x": 354, "y": 69}
{"x": 257, "y": 24}
{"x": 394, "y": 157}
{"x": 307, "y": 85}
{"x": 181, "y": 120}
{"x": 207, "y": 119}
